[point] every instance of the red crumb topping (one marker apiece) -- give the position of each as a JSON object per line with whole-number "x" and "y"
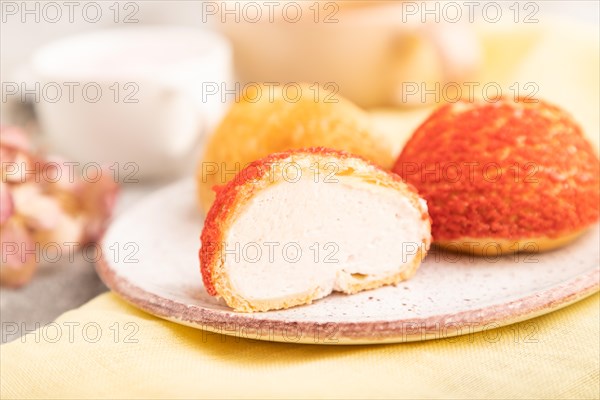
{"x": 226, "y": 198}
{"x": 507, "y": 170}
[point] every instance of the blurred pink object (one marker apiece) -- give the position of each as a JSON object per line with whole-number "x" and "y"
{"x": 42, "y": 202}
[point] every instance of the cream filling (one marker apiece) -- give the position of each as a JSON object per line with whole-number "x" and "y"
{"x": 301, "y": 237}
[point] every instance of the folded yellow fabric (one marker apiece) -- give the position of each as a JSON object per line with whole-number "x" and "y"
{"x": 116, "y": 351}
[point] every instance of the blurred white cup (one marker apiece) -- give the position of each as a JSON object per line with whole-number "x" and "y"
{"x": 134, "y": 97}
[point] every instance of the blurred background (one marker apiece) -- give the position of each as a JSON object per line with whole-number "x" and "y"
{"x": 137, "y": 86}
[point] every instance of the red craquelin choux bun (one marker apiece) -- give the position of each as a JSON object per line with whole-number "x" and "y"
{"x": 294, "y": 226}
{"x": 503, "y": 177}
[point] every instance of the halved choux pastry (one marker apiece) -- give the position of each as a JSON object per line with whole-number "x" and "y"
{"x": 296, "y": 226}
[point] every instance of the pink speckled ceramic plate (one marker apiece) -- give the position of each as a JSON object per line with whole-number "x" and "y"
{"x": 150, "y": 260}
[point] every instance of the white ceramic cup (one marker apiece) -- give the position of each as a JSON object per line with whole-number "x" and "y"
{"x": 368, "y": 49}
{"x": 132, "y": 96}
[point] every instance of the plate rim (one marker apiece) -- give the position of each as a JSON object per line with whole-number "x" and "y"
{"x": 369, "y": 332}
